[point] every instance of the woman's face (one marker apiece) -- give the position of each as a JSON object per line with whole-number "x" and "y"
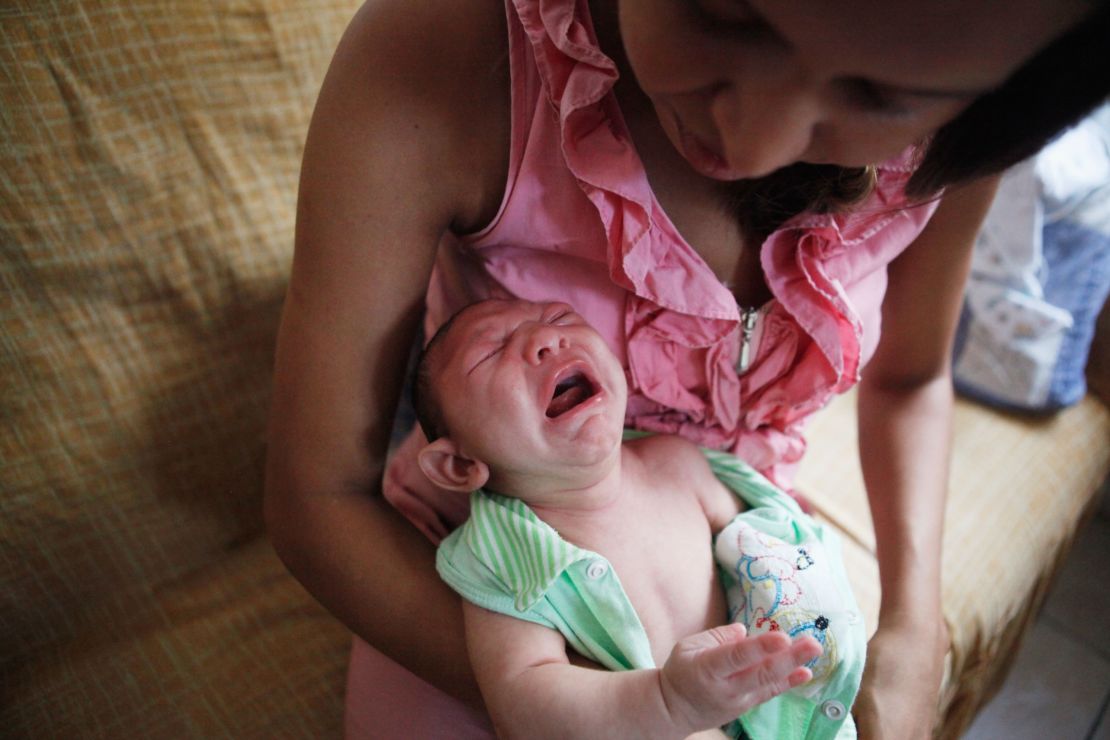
{"x": 744, "y": 87}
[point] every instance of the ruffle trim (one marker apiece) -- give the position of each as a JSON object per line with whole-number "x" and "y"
{"x": 648, "y": 257}
{"x": 646, "y": 254}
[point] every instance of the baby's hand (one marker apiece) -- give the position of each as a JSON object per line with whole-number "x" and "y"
{"x": 713, "y": 677}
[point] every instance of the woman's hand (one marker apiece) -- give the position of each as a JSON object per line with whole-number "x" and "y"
{"x": 901, "y": 682}
{"x": 433, "y": 510}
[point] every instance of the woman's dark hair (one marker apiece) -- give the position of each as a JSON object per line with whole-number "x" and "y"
{"x": 764, "y": 204}
{"x": 1052, "y": 91}
{"x": 1055, "y": 89}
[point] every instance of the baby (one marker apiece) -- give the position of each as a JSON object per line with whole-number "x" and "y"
{"x": 603, "y": 546}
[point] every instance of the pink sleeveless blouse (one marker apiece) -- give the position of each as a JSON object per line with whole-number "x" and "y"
{"x": 579, "y": 223}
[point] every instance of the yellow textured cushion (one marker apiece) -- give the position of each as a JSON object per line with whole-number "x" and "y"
{"x": 1019, "y": 489}
{"x": 149, "y": 155}
{"x": 234, "y": 650}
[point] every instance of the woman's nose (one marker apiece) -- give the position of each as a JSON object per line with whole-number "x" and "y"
{"x": 765, "y": 123}
{"x": 543, "y": 341}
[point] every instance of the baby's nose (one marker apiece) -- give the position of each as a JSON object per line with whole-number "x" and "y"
{"x": 543, "y": 341}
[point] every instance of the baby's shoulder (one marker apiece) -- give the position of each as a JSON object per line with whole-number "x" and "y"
{"x": 678, "y": 466}
{"x": 668, "y": 457}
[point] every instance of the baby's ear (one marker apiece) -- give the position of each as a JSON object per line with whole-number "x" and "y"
{"x": 446, "y": 466}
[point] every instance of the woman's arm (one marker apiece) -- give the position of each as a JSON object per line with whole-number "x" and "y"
{"x": 406, "y": 142}
{"x": 905, "y": 408}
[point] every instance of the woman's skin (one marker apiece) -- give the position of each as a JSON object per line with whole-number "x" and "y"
{"x": 409, "y": 140}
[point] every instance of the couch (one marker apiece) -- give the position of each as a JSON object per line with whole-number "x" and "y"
{"x": 148, "y": 168}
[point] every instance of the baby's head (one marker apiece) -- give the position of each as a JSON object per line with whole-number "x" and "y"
{"x": 517, "y": 393}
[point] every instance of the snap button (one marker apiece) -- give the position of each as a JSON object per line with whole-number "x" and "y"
{"x": 833, "y": 709}
{"x": 597, "y": 569}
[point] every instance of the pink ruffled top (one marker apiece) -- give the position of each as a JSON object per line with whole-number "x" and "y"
{"x": 579, "y": 223}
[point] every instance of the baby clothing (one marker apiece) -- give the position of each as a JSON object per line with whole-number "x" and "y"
{"x": 780, "y": 568}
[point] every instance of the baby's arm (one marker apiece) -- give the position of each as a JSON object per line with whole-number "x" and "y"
{"x": 531, "y": 688}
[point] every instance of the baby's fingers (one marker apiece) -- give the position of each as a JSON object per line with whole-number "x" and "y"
{"x": 721, "y": 673}
{"x": 734, "y": 651}
{"x": 780, "y": 670}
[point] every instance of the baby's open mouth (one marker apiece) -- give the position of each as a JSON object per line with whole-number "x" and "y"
{"x": 570, "y": 391}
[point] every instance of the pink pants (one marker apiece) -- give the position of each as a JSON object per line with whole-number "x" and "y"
{"x": 386, "y": 701}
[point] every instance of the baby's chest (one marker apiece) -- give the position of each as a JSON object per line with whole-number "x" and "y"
{"x": 671, "y": 581}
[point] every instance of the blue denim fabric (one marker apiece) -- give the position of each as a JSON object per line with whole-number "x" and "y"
{"x": 1078, "y": 280}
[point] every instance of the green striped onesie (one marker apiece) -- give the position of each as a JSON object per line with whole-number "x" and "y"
{"x": 779, "y": 568}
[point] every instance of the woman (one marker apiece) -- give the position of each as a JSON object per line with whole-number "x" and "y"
{"x": 660, "y": 165}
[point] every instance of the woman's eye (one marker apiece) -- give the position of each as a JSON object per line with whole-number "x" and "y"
{"x": 728, "y": 11}
{"x": 868, "y": 97}
{"x": 727, "y": 15}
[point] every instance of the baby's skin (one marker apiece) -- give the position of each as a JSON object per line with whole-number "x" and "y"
{"x": 532, "y": 405}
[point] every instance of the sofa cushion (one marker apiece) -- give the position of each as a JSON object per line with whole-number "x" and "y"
{"x": 236, "y": 649}
{"x": 148, "y": 171}
{"x": 1019, "y": 489}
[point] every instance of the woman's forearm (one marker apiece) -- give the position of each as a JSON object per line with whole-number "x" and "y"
{"x": 904, "y": 448}
{"x": 905, "y": 403}
{"x": 376, "y": 573}
{"x": 905, "y": 420}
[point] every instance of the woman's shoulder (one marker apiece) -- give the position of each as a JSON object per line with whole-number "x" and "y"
{"x": 436, "y": 72}
{"x": 438, "y": 44}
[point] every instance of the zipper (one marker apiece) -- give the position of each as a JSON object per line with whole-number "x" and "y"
{"x": 749, "y": 325}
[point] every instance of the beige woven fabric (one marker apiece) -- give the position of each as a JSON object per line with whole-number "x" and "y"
{"x": 234, "y": 650}
{"x": 148, "y": 162}
{"x": 148, "y": 166}
{"x": 1019, "y": 489}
